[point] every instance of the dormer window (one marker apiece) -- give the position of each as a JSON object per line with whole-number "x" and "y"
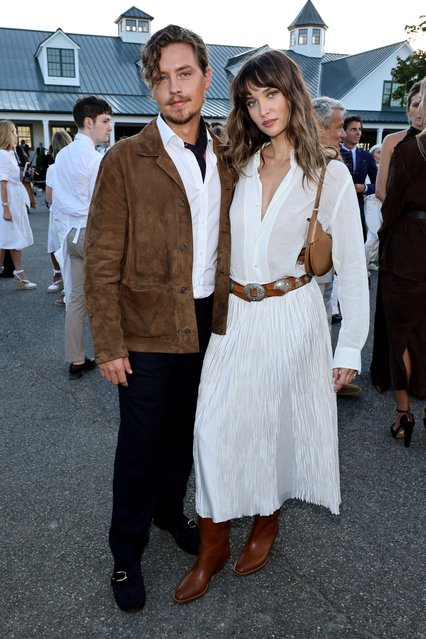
{"x": 316, "y": 36}
{"x": 139, "y": 26}
{"x": 303, "y": 36}
{"x": 58, "y": 60}
{"x": 60, "y": 63}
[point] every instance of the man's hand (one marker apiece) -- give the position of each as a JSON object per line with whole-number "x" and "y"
{"x": 360, "y": 188}
{"x": 115, "y": 371}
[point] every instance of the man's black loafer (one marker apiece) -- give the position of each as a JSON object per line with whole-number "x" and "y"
{"x": 185, "y": 532}
{"x": 129, "y": 589}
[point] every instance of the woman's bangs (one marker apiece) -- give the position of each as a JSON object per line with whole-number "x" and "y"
{"x": 253, "y": 76}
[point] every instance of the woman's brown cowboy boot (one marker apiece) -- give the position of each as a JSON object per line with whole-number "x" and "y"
{"x": 256, "y": 552}
{"x": 213, "y": 554}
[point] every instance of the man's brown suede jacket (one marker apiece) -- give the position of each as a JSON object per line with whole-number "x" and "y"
{"x": 138, "y": 253}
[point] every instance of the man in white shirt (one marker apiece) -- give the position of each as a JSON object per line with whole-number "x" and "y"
{"x": 157, "y": 246}
{"x": 76, "y": 169}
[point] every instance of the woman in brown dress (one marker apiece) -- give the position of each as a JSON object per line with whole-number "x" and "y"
{"x": 403, "y": 274}
{"x": 391, "y": 140}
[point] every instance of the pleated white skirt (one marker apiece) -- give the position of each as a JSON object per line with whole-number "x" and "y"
{"x": 266, "y": 424}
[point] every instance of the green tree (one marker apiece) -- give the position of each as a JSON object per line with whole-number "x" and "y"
{"x": 412, "y": 69}
{"x": 414, "y": 30}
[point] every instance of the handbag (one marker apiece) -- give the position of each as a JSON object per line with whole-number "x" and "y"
{"x": 318, "y": 258}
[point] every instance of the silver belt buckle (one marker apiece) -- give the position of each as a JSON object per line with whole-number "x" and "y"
{"x": 283, "y": 285}
{"x": 254, "y": 292}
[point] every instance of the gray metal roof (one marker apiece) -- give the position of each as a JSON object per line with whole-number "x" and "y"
{"x": 110, "y": 68}
{"x": 107, "y": 65}
{"x": 342, "y": 75}
{"x": 219, "y": 56}
{"x": 311, "y": 70}
{"x": 386, "y": 117}
{"x": 62, "y": 102}
{"x": 308, "y": 16}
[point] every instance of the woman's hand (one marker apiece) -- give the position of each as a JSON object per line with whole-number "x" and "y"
{"x": 6, "y": 214}
{"x": 342, "y": 376}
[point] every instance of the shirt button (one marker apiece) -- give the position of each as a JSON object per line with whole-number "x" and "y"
{"x": 181, "y": 202}
{"x": 186, "y": 330}
{"x": 183, "y": 247}
{"x": 183, "y": 289}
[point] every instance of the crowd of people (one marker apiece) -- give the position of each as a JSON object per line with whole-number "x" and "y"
{"x": 184, "y": 246}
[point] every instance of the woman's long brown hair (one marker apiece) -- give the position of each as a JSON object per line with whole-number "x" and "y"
{"x": 273, "y": 69}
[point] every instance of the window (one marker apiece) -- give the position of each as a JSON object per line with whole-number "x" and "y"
{"x": 387, "y": 100}
{"x": 303, "y": 36}
{"x": 60, "y": 63}
{"x": 141, "y": 26}
{"x": 292, "y": 38}
{"x": 72, "y": 130}
{"x": 316, "y": 36}
{"x": 25, "y": 132}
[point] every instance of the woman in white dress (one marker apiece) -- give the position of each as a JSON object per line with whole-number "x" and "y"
{"x": 15, "y": 229}
{"x": 266, "y": 424}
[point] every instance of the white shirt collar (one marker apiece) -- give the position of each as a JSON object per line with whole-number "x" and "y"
{"x": 82, "y": 137}
{"x": 169, "y": 136}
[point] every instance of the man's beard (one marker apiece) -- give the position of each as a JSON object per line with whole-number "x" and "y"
{"x": 181, "y": 117}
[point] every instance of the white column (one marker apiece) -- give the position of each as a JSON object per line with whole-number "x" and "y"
{"x": 379, "y": 135}
{"x": 112, "y": 136}
{"x": 46, "y": 135}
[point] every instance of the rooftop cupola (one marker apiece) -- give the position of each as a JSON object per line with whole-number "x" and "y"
{"x": 307, "y": 32}
{"x": 134, "y": 26}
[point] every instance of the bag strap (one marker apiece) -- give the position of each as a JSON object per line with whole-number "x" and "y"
{"x": 319, "y": 190}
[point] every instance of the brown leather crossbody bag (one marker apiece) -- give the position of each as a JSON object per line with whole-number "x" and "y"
{"x": 318, "y": 259}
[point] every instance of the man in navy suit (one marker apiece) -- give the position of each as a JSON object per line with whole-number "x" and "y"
{"x": 359, "y": 162}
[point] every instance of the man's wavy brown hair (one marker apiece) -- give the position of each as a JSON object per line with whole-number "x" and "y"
{"x": 151, "y": 53}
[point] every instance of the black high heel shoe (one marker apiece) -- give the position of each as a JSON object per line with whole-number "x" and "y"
{"x": 407, "y": 423}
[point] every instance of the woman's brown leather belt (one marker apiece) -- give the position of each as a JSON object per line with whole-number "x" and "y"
{"x": 253, "y": 292}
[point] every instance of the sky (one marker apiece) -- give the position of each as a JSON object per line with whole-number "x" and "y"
{"x": 368, "y": 25}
